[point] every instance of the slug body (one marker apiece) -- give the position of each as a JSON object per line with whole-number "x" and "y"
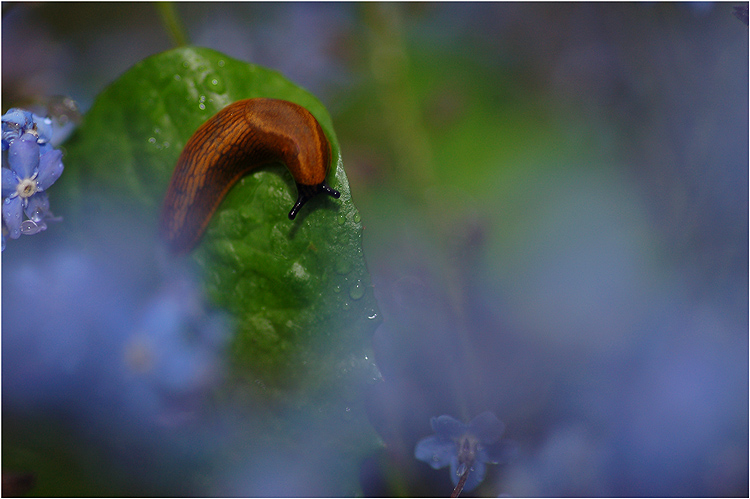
{"x": 240, "y": 138}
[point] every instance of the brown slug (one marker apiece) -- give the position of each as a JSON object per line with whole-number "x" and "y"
{"x": 241, "y": 137}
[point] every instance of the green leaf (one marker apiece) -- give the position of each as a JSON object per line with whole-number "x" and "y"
{"x": 298, "y": 291}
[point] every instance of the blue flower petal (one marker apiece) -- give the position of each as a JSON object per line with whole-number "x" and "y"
{"x": 45, "y": 148}
{"x": 37, "y": 206}
{"x": 43, "y": 128}
{"x": 447, "y": 427}
{"x": 50, "y": 169}
{"x": 435, "y": 451}
{"x": 10, "y": 181}
{"x": 14, "y": 124}
{"x": 454, "y": 471}
{"x": 20, "y": 118}
{"x": 12, "y": 211}
{"x": 476, "y": 476}
{"x": 487, "y": 428}
{"x": 23, "y": 156}
{"x": 498, "y": 453}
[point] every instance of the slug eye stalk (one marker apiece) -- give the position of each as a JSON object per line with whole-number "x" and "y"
{"x": 307, "y": 192}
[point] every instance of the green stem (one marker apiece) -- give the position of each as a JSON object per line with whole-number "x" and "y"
{"x": 172, "y": 23}
{"x": 415, "y": 171}
{"x": 407, "y": 135}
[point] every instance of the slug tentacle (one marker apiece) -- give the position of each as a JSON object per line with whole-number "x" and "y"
{"x": 306, "y": 192}
{"x": 238, "y": 139}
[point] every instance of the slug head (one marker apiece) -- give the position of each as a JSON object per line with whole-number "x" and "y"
{"x": 307, "y": 192}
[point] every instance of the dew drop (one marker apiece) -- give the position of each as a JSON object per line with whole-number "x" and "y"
{"x": 221, "y": 63}
{"x": 357, "y": 290}
{"x": 356, "y": 218}
{"x": 372, "y": 315}
{"x": 337, "y": 288}
{"x": 37, "y": 216}
{"x": 202, "y": 103}
{"x": 342, "y": 267}
{"x": 341, "y": 219}
{"x": 214, "y": 83}
{"x": 461, "y": 469}
{"x": 345, "y": 306}
{"x": 29, "y": 228}
{"x": 152, "y": 140}
{"x": 177, "y": 77}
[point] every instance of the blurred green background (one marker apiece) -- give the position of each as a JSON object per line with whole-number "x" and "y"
{"x": 555, "y": 208}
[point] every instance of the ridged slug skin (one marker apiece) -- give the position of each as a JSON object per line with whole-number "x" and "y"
{"x": 240, "y": 138}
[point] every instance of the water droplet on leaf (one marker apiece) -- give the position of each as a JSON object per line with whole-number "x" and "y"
{"x": 214, "y": 83}
{"x": 342, "y": 267}
{"x": 357, "y": 290}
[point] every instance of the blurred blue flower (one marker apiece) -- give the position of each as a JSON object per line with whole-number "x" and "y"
{"x": 24, "y": 184}
{"x": 121, "y": 350}
{"x": 463, "y": 446}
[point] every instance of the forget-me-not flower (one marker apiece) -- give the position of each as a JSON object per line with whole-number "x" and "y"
{"x": 32, "y": 167}
{"x": 31, "y": 172}
{"x": 463, "y": 447}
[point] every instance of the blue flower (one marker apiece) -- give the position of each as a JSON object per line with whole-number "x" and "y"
{"x": 17, "y": 122}
{"x": 31, "y": 173}
{"x": 463, "y": 447}
{"x": 34, "y": 165}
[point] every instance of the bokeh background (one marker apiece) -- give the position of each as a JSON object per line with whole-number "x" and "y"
{"x": 555, "y": 202}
